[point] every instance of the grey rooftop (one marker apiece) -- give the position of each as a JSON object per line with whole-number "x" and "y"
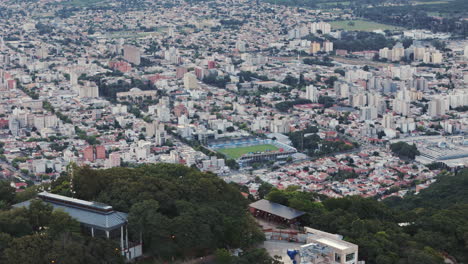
{"x": 92, "y": 214}
{"x": 276, "y": 209}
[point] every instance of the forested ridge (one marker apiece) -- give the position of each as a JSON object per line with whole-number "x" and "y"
{"x": 180, "y": 211}
{"x": 183, "y": 212}
{"x": 39, "y": 235}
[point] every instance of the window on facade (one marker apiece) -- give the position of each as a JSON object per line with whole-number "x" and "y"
{"x": 337, "y": 257}
{"x": 349, "y": 257}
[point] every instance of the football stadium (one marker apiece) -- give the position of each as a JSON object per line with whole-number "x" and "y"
{"x": 250, "y": 150}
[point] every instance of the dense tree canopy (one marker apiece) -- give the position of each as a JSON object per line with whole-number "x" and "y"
{"x": 309, "y": 141}
{"x": 359, "y": 41}
{"x": 417, "y": 229}
{"x": 180, "y": 211}
{"x": 404, "y": 150}
{"x": 7, "y": 194}
{"x": 40, "y": 235}
{"x": 286, "y": 105}
{"x": 184, "y": 212}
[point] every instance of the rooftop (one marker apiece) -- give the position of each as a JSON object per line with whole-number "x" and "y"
{"x": 55, "y": 198}
{"x": 92, "y": 214}
{"x": 276, "y": 209}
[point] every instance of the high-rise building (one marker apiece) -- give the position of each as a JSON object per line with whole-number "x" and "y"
{"x": 398, "y": 52}
{"x": 314, "y": 47}
{"x": 199, "y": 73}
{"x": 385, "y": 53}
{"x": 312, "y": 93}
{"x": 164, "y": 113}
{"x": 2, "y": 44}
{"x": 427, "y": 57}
{"x": 359, "y": 99}
{"x": 328, "y": 46}
{"x": 320, "y": 27}
{"x": 420, "y": 84}
{"x": 132, "y": 54}
{"x": 42, "y": 52}
{"x": 437, "y": 106}
{"x": 294, "y": 33}
{"x": 341, "y": 89}
{"x": 211, "y": 64}
{"x": 45, "y": 121}
{"x": 240, "y": 46}
{"x": 388, "y": 121}
{"x": 88, "y": 153}
{"x": 190, "y": 81}
{"x": 172, "y": 55}
{"x": 100, "y": 152}
{"x": 180, "y": 72}
{"x": 368, "y": 113}
{"x": 114, "y": 160}
{"x": 160, "y": 136}
{"x": 11, "y": 84}
{"x": 14, "y": 125}
{"x": 73, "y": 78}
{"x": 401, "y": 106}
{"x": 171, "y": 32}
{"x": 279, "y": 126}
{"x": 89, "y": 90}
{"x": 458, "y": 97}
{"x": 436, "y": 57}
{"x": 419, "y": 52}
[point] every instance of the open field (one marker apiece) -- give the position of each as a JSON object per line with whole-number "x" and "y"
{"x": 362, "y": 25}
{"x": 430, "y": 2}
{"x": 82, "y": 3}
{"x": 335, "y": 3}
{"x": 235, "y": 153}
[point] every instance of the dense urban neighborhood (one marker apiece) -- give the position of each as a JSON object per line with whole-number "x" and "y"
{"x": 329, "y": 125}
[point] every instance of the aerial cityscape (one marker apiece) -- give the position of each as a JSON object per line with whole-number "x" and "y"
{"x": 232, "y": 132}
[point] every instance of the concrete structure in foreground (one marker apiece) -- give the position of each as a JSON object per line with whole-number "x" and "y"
{"x": 323, "y": 247}
{"x": 275, "y": 212}
{"x": 96, "y": 219}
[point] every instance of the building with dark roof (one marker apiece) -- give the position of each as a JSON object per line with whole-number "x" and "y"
{"x": 275, "y": 212}
{"x": 96, "y": 219}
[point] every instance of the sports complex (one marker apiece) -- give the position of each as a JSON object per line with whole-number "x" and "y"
{"x": 250, "y": 150}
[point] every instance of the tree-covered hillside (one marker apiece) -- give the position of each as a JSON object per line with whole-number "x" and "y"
{"x": 183, "y": 212}
{"x": 418, "y": 229}
{"x": 38, "y": 235}
{"x": 448, "y": 191}
{"x": 180, "y": 211}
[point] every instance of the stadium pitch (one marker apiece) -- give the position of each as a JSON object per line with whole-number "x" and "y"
{"x": 237, "y": 152}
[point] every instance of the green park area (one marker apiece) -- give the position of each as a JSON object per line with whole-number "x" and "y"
{"x": 429, "y": 2}
{"x": 82, "y": 3}
{"x": 361, "y": 25}
{"x": 235, "y": 153}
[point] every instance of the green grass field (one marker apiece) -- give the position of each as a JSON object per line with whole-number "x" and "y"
{"x": 235, "y": 153}
{"x": 430, "y": 2}
{"x": 334, "y": 3}
{"x": 82, "y": 3}
{"x": 361, "y": 25}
